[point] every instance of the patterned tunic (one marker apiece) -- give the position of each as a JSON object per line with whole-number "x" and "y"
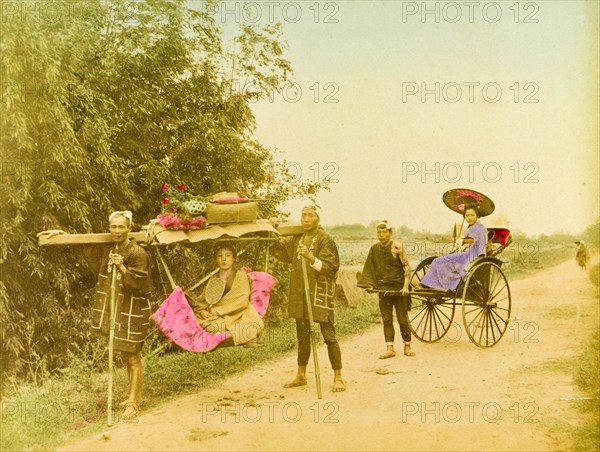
{"x": 322, "y": 283}
{"x": 133, "y": 295}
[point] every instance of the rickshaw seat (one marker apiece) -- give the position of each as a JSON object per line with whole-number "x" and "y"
{"x": 498, "y": 239}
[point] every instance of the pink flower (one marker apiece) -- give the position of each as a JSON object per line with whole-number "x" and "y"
{"x": 180, "y": 187}
{"x": 165, "y": 187}
{"x": 174, "y": 209}
{"x": 165, "y": 201}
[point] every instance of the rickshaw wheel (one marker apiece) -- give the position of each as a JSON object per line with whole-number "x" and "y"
{"x": 486, "y": 304}
{"x": 431, "y": 314}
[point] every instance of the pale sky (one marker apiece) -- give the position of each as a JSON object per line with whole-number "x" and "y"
{"x": 529, "y": 140}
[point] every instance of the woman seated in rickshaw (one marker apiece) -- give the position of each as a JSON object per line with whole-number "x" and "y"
{"x": 445, "y": 272}
{"x": 229, "y": 308}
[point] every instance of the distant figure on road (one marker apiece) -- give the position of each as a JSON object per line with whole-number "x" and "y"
{"x": 583, "y": 254}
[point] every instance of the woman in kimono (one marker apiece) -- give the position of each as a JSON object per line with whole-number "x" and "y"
{"x": 445, "y": 272}
{"x": 233, "y": 312}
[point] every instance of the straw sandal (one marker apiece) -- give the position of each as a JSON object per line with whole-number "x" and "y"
{"x": 131, "y": 411}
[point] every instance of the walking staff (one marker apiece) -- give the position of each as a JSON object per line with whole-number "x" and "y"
{"x": 314, "y": 260}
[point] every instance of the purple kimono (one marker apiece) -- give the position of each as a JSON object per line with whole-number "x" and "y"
{"x": 446, "y": 272}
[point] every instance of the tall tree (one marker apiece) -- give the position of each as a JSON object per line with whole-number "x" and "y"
{"x": 102, "y": 103}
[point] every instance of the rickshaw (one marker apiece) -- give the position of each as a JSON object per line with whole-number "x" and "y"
{"x": 483, "y": 292}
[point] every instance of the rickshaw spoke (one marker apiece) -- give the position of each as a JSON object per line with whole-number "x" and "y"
{"x": 438, "y": 318}
{"x": 494, "y": 294}
{"x": 478, "y": 288}
{"x": 427, "y": 329}
{"x": 433, "y": 318}
{"x": 476, "y": 318}
{"x": 496, "y": 323}
{"x": 440, "y": 311}
{"x": 485, "y": 328}
{"x": 499, "y": 317}
{"x": 483, "y": 318}
{"x": 425, "y": 313}
{"x": 491, "y": 327}
{"x": 422, "y": 312}
{"x": 497, "y": 280}
{"x": 476, "y": 308}
{"x": 502, "y": 299}
{"x": 432, "y": 324}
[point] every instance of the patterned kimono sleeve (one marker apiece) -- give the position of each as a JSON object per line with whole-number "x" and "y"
{"x": 368, "y": 277}
{"x": 138, "y": 270}
{"x": 328, "y": 254}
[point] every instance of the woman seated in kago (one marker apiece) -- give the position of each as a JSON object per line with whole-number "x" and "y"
{"x": 224, "y": 305}
{"x": 446, "y": 271}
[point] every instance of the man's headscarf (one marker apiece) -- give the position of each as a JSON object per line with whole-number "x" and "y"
{"x": 125, "y": 213}
{"x": 316, "y": 209}
{"x": 385, "y": 224}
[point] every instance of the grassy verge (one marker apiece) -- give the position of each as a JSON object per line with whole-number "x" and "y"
{"x": 587, "y": 378}
{"x": 525, "y": 261}
{"x": 73, "y": 405}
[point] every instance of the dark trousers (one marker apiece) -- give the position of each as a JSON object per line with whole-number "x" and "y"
{"x": 386, "y": 307}
{"x": 328, "y": 333}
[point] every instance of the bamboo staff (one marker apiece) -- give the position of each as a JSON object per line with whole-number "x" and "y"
{"x": 111, "y": 337}
{"x": 313, "y": 339}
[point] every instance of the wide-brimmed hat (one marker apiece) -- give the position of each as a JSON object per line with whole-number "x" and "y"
{"x": 459, "y": 198}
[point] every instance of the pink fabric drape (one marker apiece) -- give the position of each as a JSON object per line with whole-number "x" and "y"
{"x": 176, "y": 319}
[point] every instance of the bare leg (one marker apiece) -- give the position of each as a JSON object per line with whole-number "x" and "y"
{"x": 300, "y": 379}
{"x": 129, "y": 379}
{"x": 134, "y": 399}
{"x": 338, "y": 383}
{"x": 390, "y": 352}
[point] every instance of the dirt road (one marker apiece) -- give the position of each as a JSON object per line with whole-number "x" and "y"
{"x": 451, "y": 396}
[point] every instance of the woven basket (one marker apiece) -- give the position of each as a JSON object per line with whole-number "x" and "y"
{"x": 231, "y": 213}
{"x": 195, "y": 206}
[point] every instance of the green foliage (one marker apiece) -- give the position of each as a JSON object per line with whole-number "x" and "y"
{"x": 358, "y": 231}
{"x": 351, "y": 231}
{"x": 102, "y": 105}
{"x": 591, "y": 235}
{"x": 587, "y": 378}
{"x": 595, "y": 274}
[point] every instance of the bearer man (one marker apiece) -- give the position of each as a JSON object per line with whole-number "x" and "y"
{"x": 387, "y": 268}
{"x": 322, "y": 261}
{"x": 132, "y": 263}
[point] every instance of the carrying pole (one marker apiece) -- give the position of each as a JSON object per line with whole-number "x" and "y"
{"x": 267, "y": 259}
{"x": 313, "y": 338}
{"x": 111, "y": 339}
